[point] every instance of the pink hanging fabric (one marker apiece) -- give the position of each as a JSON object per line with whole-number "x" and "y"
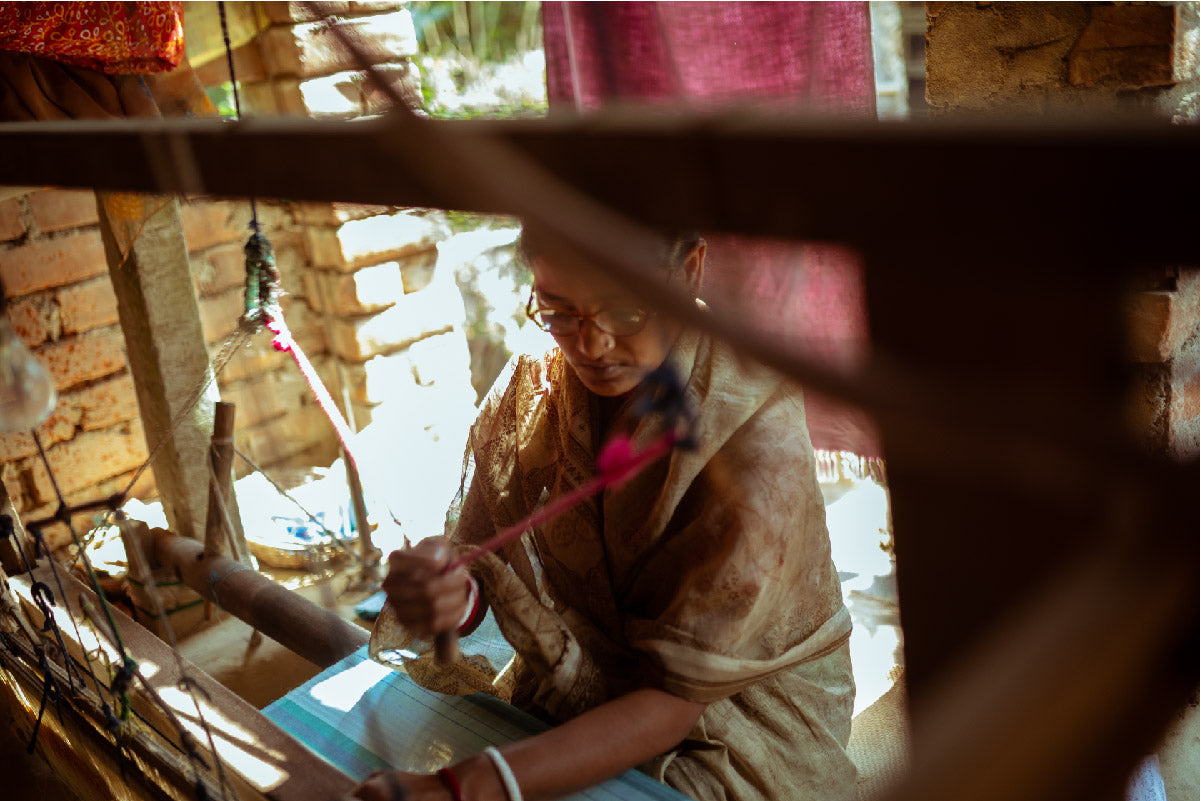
{"x": 812, "y": 57}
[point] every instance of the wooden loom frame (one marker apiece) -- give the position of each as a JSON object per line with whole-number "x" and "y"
{"x": 1049, "y": 463}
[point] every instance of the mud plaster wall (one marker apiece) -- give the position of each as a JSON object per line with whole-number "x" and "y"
{"x": 1089, "y": 58}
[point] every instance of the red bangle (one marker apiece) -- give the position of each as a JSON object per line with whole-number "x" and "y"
{"x": 451, "y": 782}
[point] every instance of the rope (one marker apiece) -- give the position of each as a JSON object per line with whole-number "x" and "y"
{"x": 233, "y": 79}
{"x": 122, "y": 678}
{"x": 334, "y": 539}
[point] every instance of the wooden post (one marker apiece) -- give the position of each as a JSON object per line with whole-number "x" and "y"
{"x": 223, "y": 506}
{"x": 156, "y": 301}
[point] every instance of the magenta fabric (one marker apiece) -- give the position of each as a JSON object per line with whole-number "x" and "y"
{"x": 804, "y": 56}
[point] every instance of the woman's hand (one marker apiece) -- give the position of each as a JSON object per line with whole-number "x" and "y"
{"x": 396, "y": 785}
{"x": 425, "y": 600}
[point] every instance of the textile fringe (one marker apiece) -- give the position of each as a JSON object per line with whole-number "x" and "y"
{"x": 836, "y": 466}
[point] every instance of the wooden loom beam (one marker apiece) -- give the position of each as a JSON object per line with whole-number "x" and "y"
{"x": 864, "y": 184}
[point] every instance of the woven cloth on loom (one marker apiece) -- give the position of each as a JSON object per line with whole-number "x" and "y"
{"x": 362, "y": 716}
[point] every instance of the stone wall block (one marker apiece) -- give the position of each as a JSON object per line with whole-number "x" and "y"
{"x": 256, "y": 358}
{"x": 434, "y": 310}
{"x": 87, "y": 305}
{"x": 336, "y": 96}
{"x": 58, "y": 209}
{"x": 11, "y": 225}
{"x": 311, "y": 49}
{"x": 248, "y": 63}
{"x": 291, "y": 258}
{"x": 365, "y": 291}
{"x": 373, "y": 240}
{"x": 274, "y": 395}
{"x": 1125, "y": 46}
{"x": 219, "y": 314}
{"x": 210, "y": 223}
{"x": 405, "y": 78}
{"x": 270, "y": 442}
{"x": 285, "y": 12}
{"x": 417, "y": 271}
{"x": 308, "y": 329}
{"x": 35, "y": 318}
{"x": 86, "y": 357}
{"x": 53, "y": 262}
{"x": 220, "y": 269}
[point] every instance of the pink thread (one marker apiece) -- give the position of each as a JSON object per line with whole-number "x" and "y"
{"x": 283, "y": 341}
{"x": 621, "y": 464}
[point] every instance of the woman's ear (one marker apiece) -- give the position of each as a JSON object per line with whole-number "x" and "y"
{"x": 694, "y": 267}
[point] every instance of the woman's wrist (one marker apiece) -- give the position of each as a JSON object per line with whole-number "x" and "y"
{"x": 478, "y": 779}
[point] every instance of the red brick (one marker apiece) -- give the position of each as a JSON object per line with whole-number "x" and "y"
{"x": 92, "y": 457}
{"x": 88, "y": 305}
{"x": 57, "y": 209}
{"x": 11, "y": 226}
{"x": 105, "y": 403}
{"x": 53, "y": 262}
{"x": 94, "y": 354}
{"x": 58, "y": 427}
{"x": 35, "y": 318}
{"x": 208, "y": 223}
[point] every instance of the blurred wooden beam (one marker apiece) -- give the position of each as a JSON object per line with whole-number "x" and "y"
{"x": 874, "y": 185}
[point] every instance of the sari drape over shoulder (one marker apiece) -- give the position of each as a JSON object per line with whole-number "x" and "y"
{"x": 707, "y": 575}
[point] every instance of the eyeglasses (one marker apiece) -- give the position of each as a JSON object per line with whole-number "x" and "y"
{"x": 615, "y": 322}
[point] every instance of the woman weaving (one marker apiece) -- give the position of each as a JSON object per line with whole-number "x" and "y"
{"x": 689, "y": 621}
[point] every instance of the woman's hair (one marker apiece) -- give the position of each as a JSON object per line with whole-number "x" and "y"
{"x": 674, "y": 248}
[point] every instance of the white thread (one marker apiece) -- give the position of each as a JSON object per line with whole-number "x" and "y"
{"x": 506, "y": 773}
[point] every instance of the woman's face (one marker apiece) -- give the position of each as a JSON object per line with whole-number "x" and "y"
{"x": 608, "y": 365}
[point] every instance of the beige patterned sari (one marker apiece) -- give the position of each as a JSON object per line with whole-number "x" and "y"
{"x": 707, "y": 575}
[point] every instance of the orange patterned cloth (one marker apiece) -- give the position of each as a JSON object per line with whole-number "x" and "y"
{"x": 116, "y": 38}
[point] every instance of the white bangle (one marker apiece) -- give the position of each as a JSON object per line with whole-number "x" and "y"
{"x": 473, "y": 602}
{"x": 506, "y": 773}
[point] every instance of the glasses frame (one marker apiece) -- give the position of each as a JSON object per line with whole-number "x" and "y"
{"x": 531, "y": 313}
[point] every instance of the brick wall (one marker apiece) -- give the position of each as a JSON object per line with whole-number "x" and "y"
{"x": 1067, "y": 58}
{"x": 62, "y": 306}
{"x": 362, "y": 292}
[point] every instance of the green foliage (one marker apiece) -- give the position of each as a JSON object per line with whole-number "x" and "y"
{"x": 481, "y": 31}
{"x": 222, "y": 96}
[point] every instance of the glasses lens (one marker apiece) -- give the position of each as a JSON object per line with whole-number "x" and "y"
{"x": 557, "y": 323}
{"x": 621, "y": 322}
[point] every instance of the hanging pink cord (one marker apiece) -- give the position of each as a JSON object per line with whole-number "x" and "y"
{"x": 283, "y": 341}
{"x": 617, "y": 463}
